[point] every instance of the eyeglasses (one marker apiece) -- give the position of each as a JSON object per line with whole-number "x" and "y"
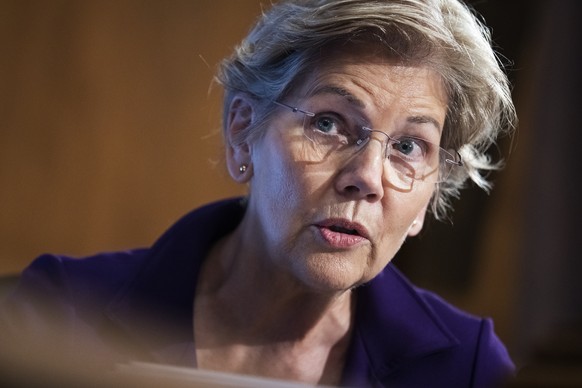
{"x": 411, "y": 158}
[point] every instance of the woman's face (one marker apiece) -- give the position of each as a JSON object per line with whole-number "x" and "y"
{"x": 331, "y": 220}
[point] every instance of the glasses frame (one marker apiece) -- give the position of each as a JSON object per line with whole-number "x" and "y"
{"x": 455, "y": 159}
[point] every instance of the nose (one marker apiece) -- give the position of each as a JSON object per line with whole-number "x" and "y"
{"x": 362, "y": 175}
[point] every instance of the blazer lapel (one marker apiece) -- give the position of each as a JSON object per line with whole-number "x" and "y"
{"x": 393, "y": 327}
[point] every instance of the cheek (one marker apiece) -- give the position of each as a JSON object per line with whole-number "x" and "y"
{"x": 286, "y": 192}
{"x": 401, "y": 209}
{"x": 277, "y": 181}
{"x": 281, "y": 171}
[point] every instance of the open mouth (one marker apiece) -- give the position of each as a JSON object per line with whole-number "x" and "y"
{"x": 342, "y": 234}
{"x": 340, "y": 229}
{"x": 345, "y": 227}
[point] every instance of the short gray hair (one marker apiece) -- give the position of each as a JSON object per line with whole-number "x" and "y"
{"x": 443, "y": 34}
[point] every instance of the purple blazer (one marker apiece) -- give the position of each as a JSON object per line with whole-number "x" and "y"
{"x": 403, "y": 336}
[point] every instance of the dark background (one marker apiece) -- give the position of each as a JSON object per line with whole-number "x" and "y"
{"x": 516, "y": 253}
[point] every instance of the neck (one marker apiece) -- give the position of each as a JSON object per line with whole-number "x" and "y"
{"x": 251, "y": 318}
{"x": 253, "y": 295}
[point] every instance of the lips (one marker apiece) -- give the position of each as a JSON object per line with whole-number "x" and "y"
{"x": 344, "y": 226}
{"x": 341, "y": 233}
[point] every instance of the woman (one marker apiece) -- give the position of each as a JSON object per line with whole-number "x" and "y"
{"x": 349, "y": 121}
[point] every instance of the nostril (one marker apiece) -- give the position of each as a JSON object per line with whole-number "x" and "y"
{"x": 351, "y": 189}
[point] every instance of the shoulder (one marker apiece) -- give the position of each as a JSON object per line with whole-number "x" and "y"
{"x": 106, "y": 271}
{"x": 59, "y": 294}
{"x": 77, "y": 288}
{"x": 60, "y": 300}
{"x": 59, "y": 285}
{"x": 476, "y": 333}
{"x": 478, "y": 342}
{"x": 56, "y": 293}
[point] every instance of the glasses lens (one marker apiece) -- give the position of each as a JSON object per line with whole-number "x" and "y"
{"x": 412, "y": 159}
{"x": 330, "y": 133}
{"x": 417, "y": 160}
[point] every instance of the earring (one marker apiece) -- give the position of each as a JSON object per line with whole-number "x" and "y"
{"x": 414, "y": 222}
{"x": 243, "y": 168}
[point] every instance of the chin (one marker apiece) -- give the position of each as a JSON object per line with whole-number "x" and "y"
{"x": 332, "y": 274}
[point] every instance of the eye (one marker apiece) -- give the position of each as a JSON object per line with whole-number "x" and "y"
{"x": 326, "y": 124}
{"x": 410, "y": 147}
{"x": 330, "y": 123}
{"x": 333, "y": 128}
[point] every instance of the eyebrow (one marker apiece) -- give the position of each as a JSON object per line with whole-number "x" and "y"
{"x": 338, "y": 90}
{"x": 422, "y": 119}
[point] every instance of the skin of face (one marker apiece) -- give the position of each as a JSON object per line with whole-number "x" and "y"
{"x": 296, "y": 199}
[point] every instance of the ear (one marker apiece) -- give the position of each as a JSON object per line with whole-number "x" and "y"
{"x": 239, "y": 117}
{"x": 418, "y": 223}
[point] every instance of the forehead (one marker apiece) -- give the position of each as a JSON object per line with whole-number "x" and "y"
{"x": 369, "y": 78}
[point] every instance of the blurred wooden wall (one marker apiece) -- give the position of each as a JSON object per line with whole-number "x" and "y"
{"x": 108, "y": 128}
